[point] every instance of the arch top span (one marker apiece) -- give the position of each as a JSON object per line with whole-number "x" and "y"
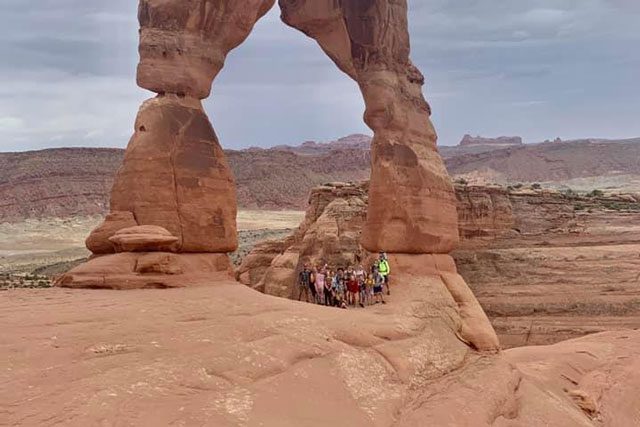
{"x": 184, "y": 43}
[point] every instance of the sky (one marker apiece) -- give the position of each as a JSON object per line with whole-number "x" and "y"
{"x": 539, "y": 69}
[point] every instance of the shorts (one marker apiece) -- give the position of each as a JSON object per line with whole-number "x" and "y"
{"x": 377, "y": 290}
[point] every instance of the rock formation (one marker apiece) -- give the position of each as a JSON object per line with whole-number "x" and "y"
{"x": 534, "y": 259}
{"x": 413, "y": 203}
{"x": 175, "y": 175}
{"x": 228, "y": 356}
{"x": 331, "y": 233}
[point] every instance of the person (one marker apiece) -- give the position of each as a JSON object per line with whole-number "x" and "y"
{"x": 360, "y": 273}
{"x": 377, "y": 288}
{"x": 384, "y": 269}
{"x": 304, "y": 282}
{"x": 319, "y": 284}
{"x": 353, "y": 289}
{"x": 312, "y": 284}
{"x": 363, "y": 289}
{"x": 349, "y": 271}
{"x": 369, "y": 282}
{"x": 328, "y": 284}
{"x": 339, "y": 289}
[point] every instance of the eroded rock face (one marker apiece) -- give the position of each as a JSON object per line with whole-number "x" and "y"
{"x": 413, "y": 208}
{"x": 330, "y": 233}
{"x": 175, "y": 176}
{"x": 184, "y": 44}
{"x": 98, "y": 241}
{"x": 144, "y": 238}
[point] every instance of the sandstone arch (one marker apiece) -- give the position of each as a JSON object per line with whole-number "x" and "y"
{"x": 175, "y": 174}
{"x": 173, "y": 204}
{"x": 235, "y": 357}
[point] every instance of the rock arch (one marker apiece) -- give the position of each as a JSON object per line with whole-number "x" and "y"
{"x": 175, "y": 176}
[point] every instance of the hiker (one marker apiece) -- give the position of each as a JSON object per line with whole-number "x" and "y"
{"x": 319, "y": 285}
{"x": 368, "y": 287}
{"x": 304, "y": 282}
{"x": 384, "y": 270}
{"x": 328, "y": 284}
{"x": 359, "y": 272}
{"x": 377, "y": 287}
{"x": 362, "y": 285}
{"x": 353, "y": 289}
{"x": 312, "y": 284}
{"x": 339, "y": 289}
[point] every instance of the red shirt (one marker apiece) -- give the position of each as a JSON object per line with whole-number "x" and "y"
{"x": 352, "y": 286}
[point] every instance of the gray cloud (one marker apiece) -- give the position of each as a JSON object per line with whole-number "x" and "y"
{"x": 540, "y": 69}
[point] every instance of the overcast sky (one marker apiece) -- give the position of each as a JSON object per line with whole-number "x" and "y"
{"x": 535, "y": 68}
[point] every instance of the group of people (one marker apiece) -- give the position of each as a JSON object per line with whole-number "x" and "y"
{"x": 345, "y": 287}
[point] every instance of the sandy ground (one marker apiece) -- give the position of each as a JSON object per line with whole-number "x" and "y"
{"x": 42, "y": 248}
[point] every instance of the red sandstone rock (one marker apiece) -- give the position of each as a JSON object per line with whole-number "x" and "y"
{"x": 140, "y": 270}
{"x": 413, "y": 207}
{"x": 175, "y": 176}
{"x": 226, "y": 355}
{"x": 330, "y": 233}
{"x": 183, "y": 45}
{"x": 98, "y": 241}
{"x": 144, "y": 238}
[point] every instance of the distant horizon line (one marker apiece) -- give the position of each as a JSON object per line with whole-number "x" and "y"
{"x": 635, "y": 139}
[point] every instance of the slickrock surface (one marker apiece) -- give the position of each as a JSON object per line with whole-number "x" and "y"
{"x": 226, "y": 355}
{"x": 411, "y": 197}
{"x": 542, "y": 270}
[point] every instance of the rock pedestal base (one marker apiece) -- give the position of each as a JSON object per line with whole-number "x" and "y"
{"x": 148, "y": 270}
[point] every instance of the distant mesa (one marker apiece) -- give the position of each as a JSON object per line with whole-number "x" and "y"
{"x": 355, "y": 141}
{"x": 468, "y": 140}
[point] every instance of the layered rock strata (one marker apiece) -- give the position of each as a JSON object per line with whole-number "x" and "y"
{"x": 548, "y": 266}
